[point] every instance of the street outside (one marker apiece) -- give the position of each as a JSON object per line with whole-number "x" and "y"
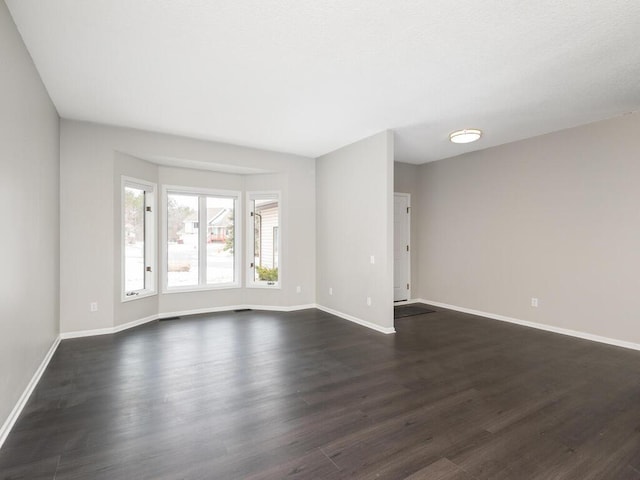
{"x": 183, "y": 264}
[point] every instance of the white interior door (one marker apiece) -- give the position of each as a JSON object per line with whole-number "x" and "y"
{"x": 401, "y": 247}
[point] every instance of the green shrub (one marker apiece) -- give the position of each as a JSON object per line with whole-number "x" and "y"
{"x": 267, "y": 274}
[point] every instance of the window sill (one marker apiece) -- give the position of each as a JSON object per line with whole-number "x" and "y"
{"x": 277, "y": 286}
{"x": 140, "y": 294}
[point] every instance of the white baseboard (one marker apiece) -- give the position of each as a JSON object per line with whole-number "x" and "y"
{"x": 357, "y": 320}
{"x": 86, "y": 333}
{"x": 22, "y": 401}
{"x": 108, "y": 330}
{"x": 293, "y": 308}
{"x": 160, "y": 316}
{"x": 230, "y": 308}
{"x": 539, "y": 326}
{"x": 135, "y": 323}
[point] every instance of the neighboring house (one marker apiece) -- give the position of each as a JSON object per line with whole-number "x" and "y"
{"x": 266, "y": 226}
{"x": 220, "y": 224}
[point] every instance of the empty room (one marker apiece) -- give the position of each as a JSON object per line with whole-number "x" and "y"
{"x": 319, "y": 240}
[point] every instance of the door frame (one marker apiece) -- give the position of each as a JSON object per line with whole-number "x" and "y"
{"x": 408, "y": 197}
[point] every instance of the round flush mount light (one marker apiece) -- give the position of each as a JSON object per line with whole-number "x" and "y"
{"x": 467, "y": 135}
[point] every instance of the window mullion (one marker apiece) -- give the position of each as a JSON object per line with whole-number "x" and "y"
{"x": 202, "y": 239}
{"x": 145, "y": 237}
{"x": 251, "y": 243}
{"x": 149, "y": 240}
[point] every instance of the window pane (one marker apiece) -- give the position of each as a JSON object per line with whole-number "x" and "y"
{"x": 266, "y": 223}
{"x": 182, "y": 240}
{"x": 220, "y": 240}
{"x": 134, "y": 239}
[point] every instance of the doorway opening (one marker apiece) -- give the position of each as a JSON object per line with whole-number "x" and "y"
{"x": 401, "y": 247}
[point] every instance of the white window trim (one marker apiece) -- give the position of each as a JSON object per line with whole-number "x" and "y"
{"x": 202, "y": 271}
{"x": 250, "y": 274}
{"x": 151, "y": 230}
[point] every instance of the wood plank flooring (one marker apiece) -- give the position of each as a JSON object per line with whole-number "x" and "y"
{"x": 305, "y": 395}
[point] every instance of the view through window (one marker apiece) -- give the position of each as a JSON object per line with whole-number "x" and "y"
{"x": 265, "y": 216}
{"x": 134, "y": 239}
{"x": 138, "y": 231}
{"x": 200, "y": 240}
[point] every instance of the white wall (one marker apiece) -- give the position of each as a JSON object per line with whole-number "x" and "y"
{"x": 29, "y": 196}
{"x": 555, "y": 217}
{"x": 355, "y": 221}
{"x": 92, "y": 159}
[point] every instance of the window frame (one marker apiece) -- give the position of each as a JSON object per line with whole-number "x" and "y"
{"x": 250, "y": 239}
{"x": 202, "y": 194}
{"x": 150, "y": 239}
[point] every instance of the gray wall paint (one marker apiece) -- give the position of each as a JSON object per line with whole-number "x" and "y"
{"x": 555, "y": 217}
{"x": 29, "y": 195}
{"x": 86, "y": 230}
{"x": 406, "y": 180}
{"x": 92, "y": 159}
{"x": 355, "y": 221}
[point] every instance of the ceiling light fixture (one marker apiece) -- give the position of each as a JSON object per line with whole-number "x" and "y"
{"x": 467, "y": 135}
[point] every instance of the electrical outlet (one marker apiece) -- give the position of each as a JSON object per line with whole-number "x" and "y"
{"x": 298, "y": 289}
{"x": 534, "y": 302}
{"x": 330, "y": 291}
{"x": 93, "y": 306}
{"x": 369, "y": 301}
{"x": 373, "y": 259}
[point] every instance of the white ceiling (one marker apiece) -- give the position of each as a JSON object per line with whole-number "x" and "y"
{"x": 309, "y": 76}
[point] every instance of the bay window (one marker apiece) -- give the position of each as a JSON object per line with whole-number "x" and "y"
{"x": 263, "y": 246}
{"x": 201, "y": 237}
{"x": 138, "y": 238}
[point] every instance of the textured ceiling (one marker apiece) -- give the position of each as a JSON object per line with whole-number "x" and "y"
{"x": 309, "y": 76}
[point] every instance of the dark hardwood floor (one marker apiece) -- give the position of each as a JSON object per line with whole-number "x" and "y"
{"x": 305, "y": 395}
